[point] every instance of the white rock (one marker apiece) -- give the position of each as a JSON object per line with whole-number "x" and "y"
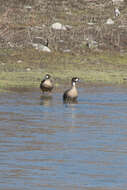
{"x": 35, "y": 45}
{"x": 45, "y": 48}
{"x": 19, "y": 61}
{"x": 91, "y": 44}
{"x": 110, "y": 21}
{"x": 61, "y": 41}
{"x": 10, "y": 44}
{"x": 27, "y": 7}
{"x": 117, "y": 12}
{"x": 67, "y": 51}
{"x": 58, "y": 26}
{"x": 41, "y": 47}
{"x": 69, "y": 13}
{"x": 115, "y": 2}
{"x": 28, "y": 69}
{"x": 90, "y": 23}
{"x": 122, "y": 26}
{"x": 37, "y": 28}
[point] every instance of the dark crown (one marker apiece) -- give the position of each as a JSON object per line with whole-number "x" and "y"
{"x": 47, "y": 76}
{"x": 75, "y": 79}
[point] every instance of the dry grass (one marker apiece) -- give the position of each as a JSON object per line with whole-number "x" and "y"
{"x": 19, "y": 20}
{"x": 23, "y": 20}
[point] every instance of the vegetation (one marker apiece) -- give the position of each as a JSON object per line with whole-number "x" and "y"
{"x": 25, "y": 67}
{"x": 72, "y": 52}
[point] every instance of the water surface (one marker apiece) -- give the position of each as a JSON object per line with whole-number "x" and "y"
{"x": 45, "y": 144}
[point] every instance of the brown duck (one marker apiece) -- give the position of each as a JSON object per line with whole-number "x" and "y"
{"x": 46, "y": 84}
{"x": 72, "y": 93}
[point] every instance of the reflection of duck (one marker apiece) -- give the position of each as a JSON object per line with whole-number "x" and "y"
{"x": 45, "y": 100}
{"x": 71, "y": 94}
{"x": 46, "y": 84}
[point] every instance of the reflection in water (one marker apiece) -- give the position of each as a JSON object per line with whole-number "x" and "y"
{"x": 45, "y": 144}
{"x": 46, "y": 100}
{"x": 70, "y": 101}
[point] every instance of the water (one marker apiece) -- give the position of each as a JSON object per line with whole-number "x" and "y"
{"x": 45, "y": 144}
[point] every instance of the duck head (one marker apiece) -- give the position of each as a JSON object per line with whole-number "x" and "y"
{"x": 47, "y": 76}
{"x": 74, "y": 80}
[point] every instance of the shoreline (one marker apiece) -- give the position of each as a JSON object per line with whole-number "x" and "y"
{"x": 27, "y": 67}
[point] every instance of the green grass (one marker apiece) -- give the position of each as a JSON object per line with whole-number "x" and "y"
{"x": 92, "y": 67}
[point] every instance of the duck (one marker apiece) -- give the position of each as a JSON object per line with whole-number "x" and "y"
{"x": 72, "y": 93}
{"x": 46, "y": 84}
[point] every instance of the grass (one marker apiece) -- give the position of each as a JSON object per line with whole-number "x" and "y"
{"x": 26, "y": 67}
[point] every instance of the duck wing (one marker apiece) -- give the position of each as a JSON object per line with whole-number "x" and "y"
{"x": 41, "y": 84}
{"x": 65, "y": 95}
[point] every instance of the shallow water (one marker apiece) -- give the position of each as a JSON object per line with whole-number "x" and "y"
{"x": 45, "y": 144}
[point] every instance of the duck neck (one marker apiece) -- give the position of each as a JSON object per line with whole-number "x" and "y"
{"x": 73, "y": 84}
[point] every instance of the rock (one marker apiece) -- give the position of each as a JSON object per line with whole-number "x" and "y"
{"x": 67, "y": 51}
{"x": 69, "y": 13}
{"x": 41, "y": 47}
{"x": 19, "y": 61}
{"x": 110, "y": 21}
{"x": 2, "y": 64}
{"x": 39, "y": 40}
{"x": 10, "y": 44}
{"x": 68, "y": 27}
{"x": 45, "y": 48}
{"x": 28, "y": 69}
{"x": 37, "y": 28}
{"x": 122, "y": 26}
{"x": 90, "y": 23}
{"x": 91, "y": 44}
{"x": 58, "y": 26}
{"x": 27, "y": 7}
{"x": 116, "y": 2}
{"x": 117, "y": 12}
